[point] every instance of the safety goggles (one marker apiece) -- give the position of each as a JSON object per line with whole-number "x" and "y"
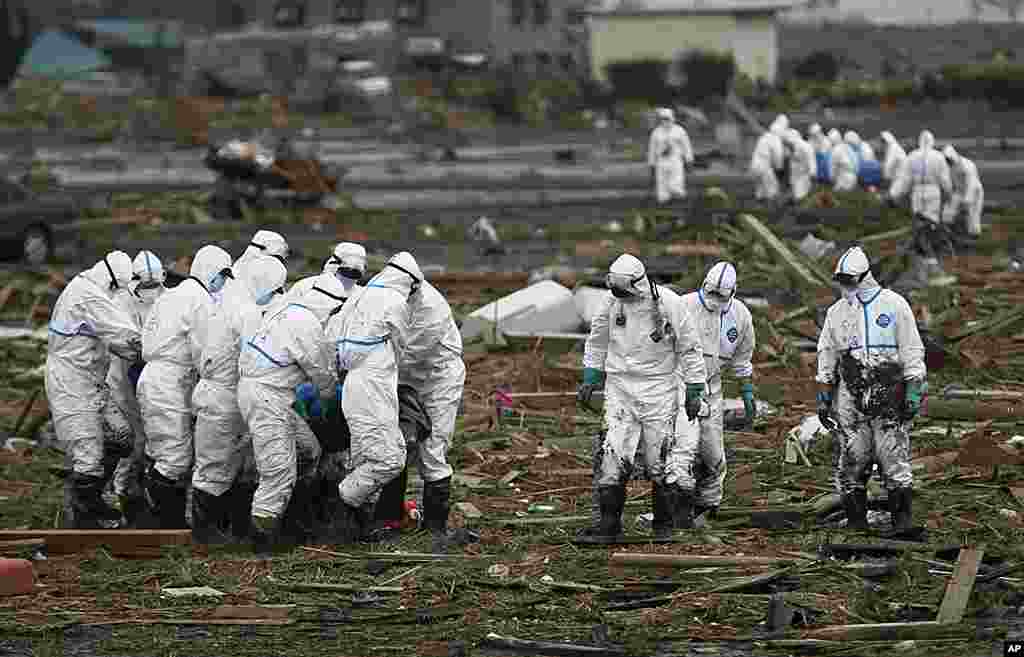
{"x": 416, "y": 282}
{"x": 624, "y": 283}
{"x": 226, "y": 273}
{"x": 283, "y": 257}
{"x": 717, "y": 294}
{"x": 848, "y": 280}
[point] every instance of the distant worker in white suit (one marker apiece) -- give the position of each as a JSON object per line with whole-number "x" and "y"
{"x": 968, "y": 194}
{"x": 895, "y": 156}
{"x": 669, "y": 152}
{"x": 768, "y": 160}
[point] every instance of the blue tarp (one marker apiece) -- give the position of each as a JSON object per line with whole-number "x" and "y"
{"x": 54, "y": 54}
{"x": 869, "y": 172}
{"x": 145, "y": 34}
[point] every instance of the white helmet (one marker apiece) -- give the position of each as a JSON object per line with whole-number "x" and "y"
{"x": 627, "y": 277}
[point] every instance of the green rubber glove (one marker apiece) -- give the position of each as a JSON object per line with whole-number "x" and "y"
{"x": 694, "y": 392}
{"x": 749, "y": 405}
{"x": 593, "y": 376}
{"x": 301, "y": 408}
{"x": 916, "y": 389}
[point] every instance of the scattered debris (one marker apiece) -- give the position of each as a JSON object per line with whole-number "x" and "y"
{"x": 541, "y": 307}
{"x": 190, "y": 591}
{"x": 120, "y": 541}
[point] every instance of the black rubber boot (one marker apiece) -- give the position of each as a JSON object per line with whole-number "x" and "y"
{"x": 209, "y": 518}
{"x": 709, "y": 512}
{"x": 265, "y": 535}
{"x": 390, "y": 510}
{"x": 90, "y": 511}
{"x": 166, "y": 500}
{"x": 344, "y": 524}
{"x": 900, "y": 503}
{"x": 856, "y": 506}
{"x": 239, "y": 510}
{"x": 682, "y": 509}
{"x": 298, "y": 525}
{"x": 613, "y": 501}
{"x": 664, "y": 499}
{"x": 436, "y": 496}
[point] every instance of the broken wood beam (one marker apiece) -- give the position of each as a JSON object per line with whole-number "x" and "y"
{"x": 690, "y": 561}
{"x": 342, "y": 588}
{"x": 958, "y": 590}
{"x": 554, "y": 648}
{"x": 791, "y": 260}
{"x": 968, "y": 410}
{"x": 884, "y": 547}
{"x": 887, "y": 631}
{"x": 747, "y": 582}
{"x": 123, "y": 541}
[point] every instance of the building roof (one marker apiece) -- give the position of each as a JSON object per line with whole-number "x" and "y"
{"x": 683, "y": 7}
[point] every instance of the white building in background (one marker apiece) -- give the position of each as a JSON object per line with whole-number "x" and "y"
{"x": 895, "y": 12}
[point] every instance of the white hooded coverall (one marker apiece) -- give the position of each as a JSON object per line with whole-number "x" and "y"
{"x": 171, "y": 346}
{"x": 895, "y": 156}
{"x": 669, "y": 151}
{"x": 645, "y": 380}
{"x": 870, "y": 345}
{"x": 221, "y": 442}
{"x": 432, "y": 364}
{"x": 289, "y": 348}
{"x": 926, "y": 176}
{"x": 816, "y": 137}
{"x": 346, "y": 254}
{"x": 768, "y": 158}
{"x": 803, "y": 167}
{"x": 727, "y": 338}
{"x": 264, "y": 243}
{"x": 369, "y": 335}
{"x": 136, "y": 302}
{"x": 86, "y": 328}
{"x": 968, "y": 194}
{"x": 845, "y": 163}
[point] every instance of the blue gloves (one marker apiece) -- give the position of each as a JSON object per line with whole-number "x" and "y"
{"x": 694, "y": 392}
{"x": 307, "y": 401}
{"x": 749, "y": 405}
{"x": 134, "y": 372}
{"x": 593, "y": 380}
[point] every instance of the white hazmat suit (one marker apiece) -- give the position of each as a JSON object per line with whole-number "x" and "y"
{"x": 871, "y": 354}
{"x": 369, "y": 335}
{"x": 895, "y": 156}
{"x": 86, "y": 328}
{"x": 147, "y": 286}
{"x": 925, "y": 175}
{"x": 816, "y": 137}
{"x": 263, "y": 243}
{"x": 171, "y": 346}
{"x": 727, "y": 338}
{"x": 646, "y": 346}
{"x": 968, "y": 194}
{"x": 669, "y": 152}
{"x": 288, "y": 349}
{"x": 768, "y": 160}
{"x": 432, "y": 364}
{"x": 803, "y": 166}
{"x": 221, "y": 441}
{"x": 845, "y": 164}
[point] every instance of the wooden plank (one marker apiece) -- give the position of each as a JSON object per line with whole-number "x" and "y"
{"x": 747, "y": 582}
{"x": 124, "y": 541}
{"x": 886, "y": 631}
{"x": 781, "y": 250}
{"x": 690, "y": 561}
{"x": 958, "y": 591}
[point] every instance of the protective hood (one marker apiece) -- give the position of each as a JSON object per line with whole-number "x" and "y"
{"x": 926, "y": 141}
{"x": 325, "y": 297}
{"x": 720, "y": 279}
{"x": 147, "y": 268}
{"x": 266, "y": 242}
{"x": 264, "y": 276}
{"x": 855, "y": 263}
{"x": 401, "y": 274}
{"x": 851, "y": 138}
{"x": 834, "y": 136}
{"x": 888, "y": 137}
{"x": 814, "y": 130}
{"x": 627, "y": 273}
{"x": 209, "y": 261}
{"x": 950, "y": 154}
{"x": 780, "y": 125}
{"x": 665, "y": 113}
{"x": 793, "y": 136}
{"x": 349, "y": 256}
{"x": 113, "y": 273}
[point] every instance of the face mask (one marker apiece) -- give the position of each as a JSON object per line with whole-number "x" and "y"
{"x": 349, "y": 273}
{"x": 217, "y": 284}
{"x": 621, "y": 294}
{"x": 149, "y": 294}
{"x": 268, "y": 297}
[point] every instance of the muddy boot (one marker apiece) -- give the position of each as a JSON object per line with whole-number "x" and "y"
{"x": 682, "y": 509}
{"x": 209, "y": 517}
{"x": 389, "y": 510}
{"x": 298, "y": 525}
{"x": 709, "y": 512}
{"x": 900, "y": 500}
{"x": 612, "y": 500}
{"x": 166, "y": 500}
{"x": 344, "y": 524}
{"x": 856, "y": 506}
{"x": 436, "y": 495}
{"x": 90, "y": 511}
{"x": 239, "y": 510}
{"x": 664, "y": 499}
{"x": 265, "y": 535}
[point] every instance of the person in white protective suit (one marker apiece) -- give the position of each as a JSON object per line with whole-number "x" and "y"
{"x": 171, "y": 346}
{"x": 219, "y": 500}
{"x": 816, "y": 137}
{"x": 925, "y": 175}
{"x": 137, "y": 300}
{"x": 432, "y": 365}
{"x": 726, "y": 330}
{"x": 646, "y": 346}
{"x": 863, "y": 148}
{"x": 803, "y": 166}
{"x": 369, "y": 335}
{"x": 348, "y": 261}
{"x": 87, "y": 327}
{"x": 871, "y": 381}
{"x": 968, "y": 195}
{"x": 834, "y": 138}
{"x": 895, "y": 156}
{"x": 266, "y": 243}
{"x": 845, "y": 164}
{"x": 768, "y": 161}
{"x": 288, "y": 350}
{"x": 669, "y": 152}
